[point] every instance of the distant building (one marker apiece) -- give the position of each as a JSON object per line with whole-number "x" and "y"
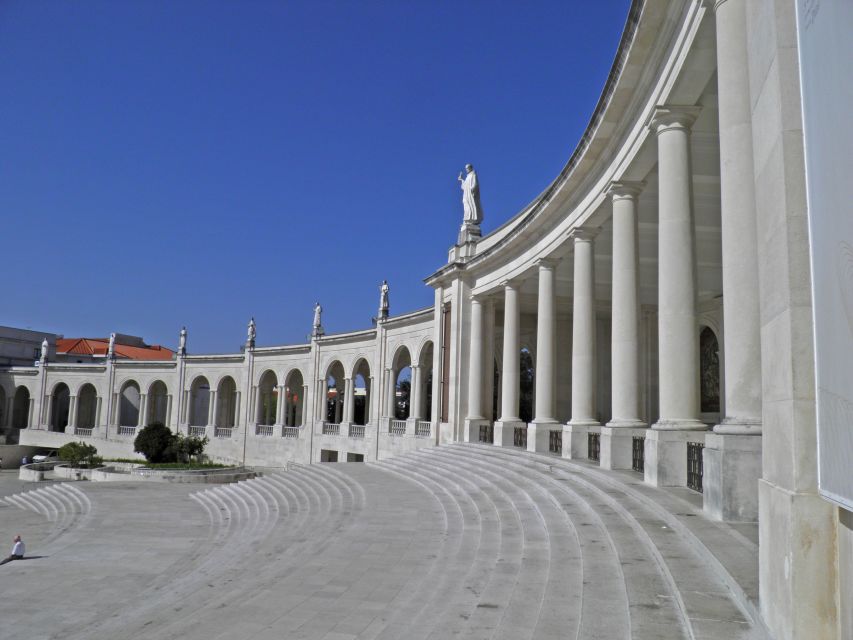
{"x": 22, "y": 347}
{"x": 95, "y": 349}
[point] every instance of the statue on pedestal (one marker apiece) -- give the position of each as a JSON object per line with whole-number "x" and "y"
{"x": 471, "y": 207}
{"x": 317, "y": 329}
{"x": 250, "y": 334}
{"x": 111, "y": 349}
{"x": 182, "y": 343}
{"x": 383, "y": 299}
{"x": 44, "y": 348}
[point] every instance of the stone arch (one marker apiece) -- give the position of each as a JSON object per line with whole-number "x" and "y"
{"x": 199, "y": 402}
{"x": 267, "y": 407}
{"x": 21, "y": 408}
{"x": 158, "y": 403}
{"x": 294, "y": 394}
{"x": 60, "y": 402}
{"x": 709, "y": 370}
{"x": 335, "y": 388}
{"x": 226, "y": 403}
{"x": 361, "y": 391}
{"x": 401, "y": 383}
{"x": 128, "y": 404}
{"x": 87, "y": 406}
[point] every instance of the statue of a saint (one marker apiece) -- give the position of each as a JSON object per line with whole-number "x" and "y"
{"x": 44, "y": 348}
{"x": 111, "y": 349}
{"x": 182, "y": 343}
{"x": 383, "y": 299}
{"x": 473, "y": 210}
{"x": 250, "y": 333}
{"x": 318, "y": 324}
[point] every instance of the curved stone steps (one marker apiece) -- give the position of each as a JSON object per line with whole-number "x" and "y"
{"x": 448, "y": 605}
{"x": 64, "y": 508}
{"x": 703, "y": 589}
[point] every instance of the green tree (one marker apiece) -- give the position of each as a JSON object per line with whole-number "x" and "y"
{"x": 79, "y": 454}
{"x": 154, "y": 442}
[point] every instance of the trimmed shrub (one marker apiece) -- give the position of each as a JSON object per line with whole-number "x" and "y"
{"x": 184, "y": 448}
{"x": 154, "y": 442}
{"x": 80, "y": 455}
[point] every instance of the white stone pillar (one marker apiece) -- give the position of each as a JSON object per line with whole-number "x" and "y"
{"x": 324, "y": 400}
{"x": 539, "y": 431}
{"x": 732, "y": 459}
{"x": 390, "y": 394}
{"x": 475, "y": 374}
{"x": 678, "y": 341}
{"x": 509, "y": 419}
{"x": 415, "y": 410}
{"x": 169, "y": 410}
{"x": 349, "y": 391}
{"x": 625, "y": 423}
{"x": 140, "y": 418}
{"x": 72, "y": 414}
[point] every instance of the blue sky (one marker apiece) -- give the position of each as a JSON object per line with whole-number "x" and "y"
{"x": 166, "y": 163}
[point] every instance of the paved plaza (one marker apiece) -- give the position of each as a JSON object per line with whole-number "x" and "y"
{"x": 456, "y": 541}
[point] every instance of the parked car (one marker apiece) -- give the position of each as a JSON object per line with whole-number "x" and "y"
{"x": 50, "y": 456}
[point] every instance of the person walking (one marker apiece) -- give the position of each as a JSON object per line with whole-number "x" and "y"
{"x": 18, "y": 550}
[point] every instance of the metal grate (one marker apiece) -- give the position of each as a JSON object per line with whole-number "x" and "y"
{"x": 638, "y": 454}
{"x": 487, "y": 433}
{"x": 593, "y": 442}
{"x": 555, "y": 441}
{"x": 519, "y": 437}
{"x": 695, "y": 467}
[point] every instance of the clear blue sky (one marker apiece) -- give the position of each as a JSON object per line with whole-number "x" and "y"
{"x": 197, "y": 162}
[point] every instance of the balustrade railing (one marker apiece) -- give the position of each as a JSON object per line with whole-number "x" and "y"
{"x": 423, "y": 429}
{"x": 397, "y": 428}
{"x": 126, "y": 431}
{"x": 264, "y": 430}
{"x": 695, "y": 466}
{"x": 197, "y": 432}
{"x": 593, "y": 446}
{"x": 519, "y": 437}
{"x": 290, "y": 432}
{"x": 222, "y": 432}
{"x": 555, "y": 441}
{"x": 638, "y": 454}
{"x": 487, "y": 433}
{"x": 83, "y": 431}
{"x": 331, "y": 429}
{"x": 356, "y": 431}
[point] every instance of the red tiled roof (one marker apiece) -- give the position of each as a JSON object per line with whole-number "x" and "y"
{"x": 99, "y": 347}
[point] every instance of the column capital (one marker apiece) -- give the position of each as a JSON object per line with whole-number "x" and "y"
{"x": 549, "y": 263}
{"x": 512, "y": 283}
{"x": 669, "y": 116}
{"x": 625, "y": 189}
{"x": 583, "y": 234}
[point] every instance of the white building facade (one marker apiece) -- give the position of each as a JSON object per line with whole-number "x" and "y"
{"x": 650, "y": 310}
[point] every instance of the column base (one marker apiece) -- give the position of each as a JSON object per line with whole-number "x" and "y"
{"x": 739, "y": 427}
{"x": 472, "y": 429}
{"x": 732, "y": 468}
{"x": 680, "y": 424}
{"x": 505, "y": 432}
{"x": 539, "y": 435}
{"x": 617, "y": 444}
{"x": 666, "y": 456}
{"x": 575, "y": 438}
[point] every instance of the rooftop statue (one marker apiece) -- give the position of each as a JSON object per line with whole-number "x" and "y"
{"x": 251, "y": 333}
{"x": 383, "y": 299}
{"x": 44, "y": 347}
{"x": 111, "y": 349}
{"x": 182, "y": 343}
{"x": 472, "y": 209}
{"x": 317, "y": 329}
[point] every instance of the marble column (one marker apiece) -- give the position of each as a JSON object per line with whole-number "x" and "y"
{"x": 617, "y": 436}
{"x": 390, "y": 394}
{"x": 140, "y": 418}
{"x": 415, "y": 412}
{"x": 678, "y": 341}
{"x": 510, "y": 370}
{"x": 475, "y": 374}
{"x": 732, "y": 458}
{"x": 539, "y": 431}
{"x": 211, "y": 408}
{"x": 583, "y": 348}
{"x": 349, "y": 400}
{"x": 72, "y": 414}
{"x": 324, "y": 400}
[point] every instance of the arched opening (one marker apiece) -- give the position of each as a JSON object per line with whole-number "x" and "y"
{"x": 295, "y": 398}
{"x": 335, "y": 388}
{"x": 199, "y": 402}
{"x": 128, "y": 405}
{"x": 87, "y": 404}
{"x": 226, "y": 403}
{"x": 527, "y": 385}
{"x": 267, "y": 398}
{"x": 361, "y": 393}
{"x": 21, "y": 408}
{"x": 709, "y": 371}
{"x": 402, "y": 381}
{"x": 59, "y": 404}
{"x": 158, "y": 403}
{"x": 3, "y": 416}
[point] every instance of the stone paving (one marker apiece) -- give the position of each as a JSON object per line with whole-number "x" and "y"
{"x": 458, "y": 541}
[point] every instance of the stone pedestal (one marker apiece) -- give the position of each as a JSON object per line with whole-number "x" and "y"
{"x": 666, "y": 456}
{"x": 575, "y": 439}
{"x": 617, "y": 446}
{"x": 732, "y": 468}
{"x": 539, "y": 435}
{"x": 505, "y": 432}
{"x": 472, "y": 429}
